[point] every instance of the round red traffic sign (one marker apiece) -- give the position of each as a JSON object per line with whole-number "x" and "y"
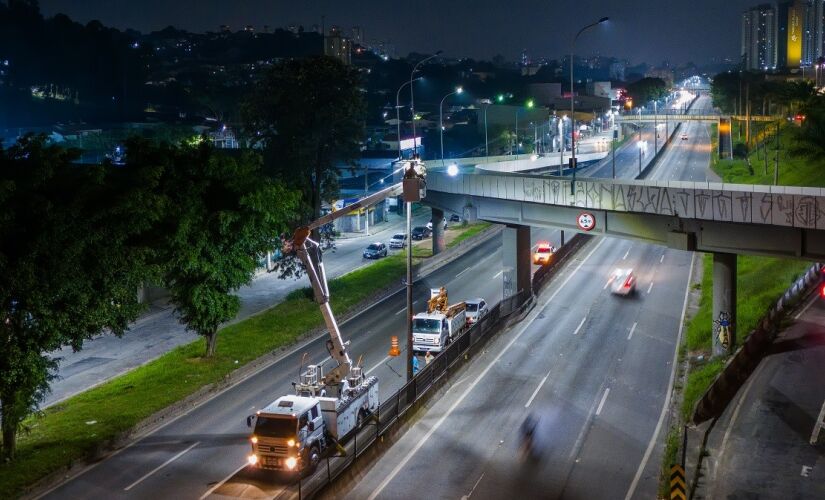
{"x": 586, "y": 221}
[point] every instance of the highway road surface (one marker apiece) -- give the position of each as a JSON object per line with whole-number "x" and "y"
{"x": 595, "y": 368}
{"x": 205, "y": 448}
{"x": 605, "y": 386}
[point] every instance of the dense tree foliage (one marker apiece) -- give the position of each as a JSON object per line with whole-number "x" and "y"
{"x": 71, "y": 261}
{"x": 308, "y": 116}
{"x": 220, "y": 214}
{"x": 647, "y": 89}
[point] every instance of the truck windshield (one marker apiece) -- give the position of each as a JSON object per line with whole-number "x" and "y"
{"x": 471, "y": 307}
{"x": 423, "y": 325}
{"x": 276, "y": 427}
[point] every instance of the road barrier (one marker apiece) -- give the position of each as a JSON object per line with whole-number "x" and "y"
{"x": 392, "y": 411}
{"x": 391, "y": 414}
{"x": 677, "y": 483}
{"x": 756, "y": 346}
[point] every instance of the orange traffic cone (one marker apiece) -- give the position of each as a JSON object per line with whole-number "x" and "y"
{"x": 394, "y": 350}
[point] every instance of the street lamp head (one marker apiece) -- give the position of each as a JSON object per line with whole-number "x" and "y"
{"x": 452, "y": 170}
{"x": 604, "y": 20}
{"x": 500, "y": 98}
{"x": 530, "y": 103}
{"x": 459, "y": 89}
{"x": 439, "y": 52}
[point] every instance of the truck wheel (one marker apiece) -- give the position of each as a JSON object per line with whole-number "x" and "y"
{"x": 313, "y": 458}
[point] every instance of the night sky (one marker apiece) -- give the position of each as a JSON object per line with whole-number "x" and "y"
{"x": 640, "y": 30}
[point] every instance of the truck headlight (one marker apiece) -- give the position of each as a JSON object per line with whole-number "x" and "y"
{"x": 291, "y": 462}
{"x": 254, "y": 439}
{"x": 252, "y": 459}
{"x": 290, "y": 443}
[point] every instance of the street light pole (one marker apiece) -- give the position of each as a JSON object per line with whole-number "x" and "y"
{"x": 572, "y": 106}
{"x": 412, "y": 98}
{"x": 655, "y": 129}
{"x": 640, "y": 141}
{"x": 458, "y": 90}
{"x": 486, "y": 145}
{"x": 398, "y": 114}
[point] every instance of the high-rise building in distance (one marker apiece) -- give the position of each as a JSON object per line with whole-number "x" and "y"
{"x": 759, "y": 38}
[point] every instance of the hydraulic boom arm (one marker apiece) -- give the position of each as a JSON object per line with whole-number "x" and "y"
{"x": 310, "y": 254}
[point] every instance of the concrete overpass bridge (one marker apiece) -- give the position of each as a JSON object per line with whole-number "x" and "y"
{"x": 689, "y": 117}
{"x": 723, "y": 219}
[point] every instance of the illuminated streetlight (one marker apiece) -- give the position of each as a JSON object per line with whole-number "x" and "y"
{"x": 458, "y": 90}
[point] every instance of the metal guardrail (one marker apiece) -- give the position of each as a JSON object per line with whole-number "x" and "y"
{"x": 398, "y": 404}
{"x": 753, "y": 349}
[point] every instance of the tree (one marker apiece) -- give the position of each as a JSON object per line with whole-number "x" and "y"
{"x": 71, "y": 262}
{"x": 309, "y": 116}
{"x": 811, "y": 138}
{"x": 221, "y": 214}
{"x": 647, "y": 89}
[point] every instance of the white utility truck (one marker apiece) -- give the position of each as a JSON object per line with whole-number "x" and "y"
{"x": 435, "y": 329}
{"x": 293, "y": 432}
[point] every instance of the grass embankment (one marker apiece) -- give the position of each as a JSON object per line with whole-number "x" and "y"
{"x": 760, "y": 280}
{"x": 80, "y": 426}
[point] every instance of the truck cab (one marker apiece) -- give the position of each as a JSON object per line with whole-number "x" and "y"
{"x": 288, "y": 435}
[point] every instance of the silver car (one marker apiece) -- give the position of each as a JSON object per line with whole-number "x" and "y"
{"x": 398, "y": 240}
{"x": 622, "y": 282}
{"x": 476, "y": 309}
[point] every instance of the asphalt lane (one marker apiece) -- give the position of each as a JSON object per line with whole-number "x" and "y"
{"x": 760, "y": 448}
{"x": 208, "y": 445}
{"x": 595, "y": 367}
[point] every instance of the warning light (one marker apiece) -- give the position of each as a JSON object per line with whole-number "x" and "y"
{"x": 394, "y": 350}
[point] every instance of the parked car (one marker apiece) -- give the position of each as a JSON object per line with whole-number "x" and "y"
{"x": 476, "y": 309}
{"x": 684, "y": 136}
{"x": 420, "y": 232}
{"x": 398, "y": 240}
{"x": 544, "y": 252}
{"x": 455, "y": 218}
{"x": 622, "y": 282}
{"x": 375, "y": 251}
{"x": 430, "y": 224}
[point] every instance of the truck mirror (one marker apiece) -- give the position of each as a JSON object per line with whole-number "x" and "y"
{"x": 249, "y": 421}
{"x": 311, "y": 426}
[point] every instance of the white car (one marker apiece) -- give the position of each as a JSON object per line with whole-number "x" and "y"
{"x": 622, "y": 282}
{"x": 398, "y": 240}
{"x": 476, "y": 309}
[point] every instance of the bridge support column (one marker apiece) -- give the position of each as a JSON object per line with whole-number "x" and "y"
{"x": 438, "y": 231}
{"x": 515, "y": 253}
{"x": 724, "y": 303}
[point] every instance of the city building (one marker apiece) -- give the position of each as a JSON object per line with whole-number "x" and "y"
{"x": 335, "y": 45}
{"x": 759, "y": 38}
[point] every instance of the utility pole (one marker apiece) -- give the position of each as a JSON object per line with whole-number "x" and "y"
{"x": 366, "y": 209}
{"x": 776, "y": 165}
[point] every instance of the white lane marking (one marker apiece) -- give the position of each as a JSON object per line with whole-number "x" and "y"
{"x": 401, "y": 310}
{"x": 475, "y": 382}
{"x": 652, "y": 443}
{"x": 227, "y": 478}
{"x": 818, "y": 425}
{"x": 626, "y": 254}
{"x": 537, "y": 390}
{"x": 662, "y": 259}
{"x": 580, "y": 326}
{"x": 466, "y": 497}
{"x": 462, "y": 272}
{"x": 159, "y": 467}
{"x": 601, "y": 403}
{"x": 735, "y": 413}
{"x": 650, "y": 287}
{"x": 387, "y": 358}
{"x": 605, "y": 285}
{"x": 498, "y": 274}
{"x": 632, "y": 329}
{"x": 809, "y": 304}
